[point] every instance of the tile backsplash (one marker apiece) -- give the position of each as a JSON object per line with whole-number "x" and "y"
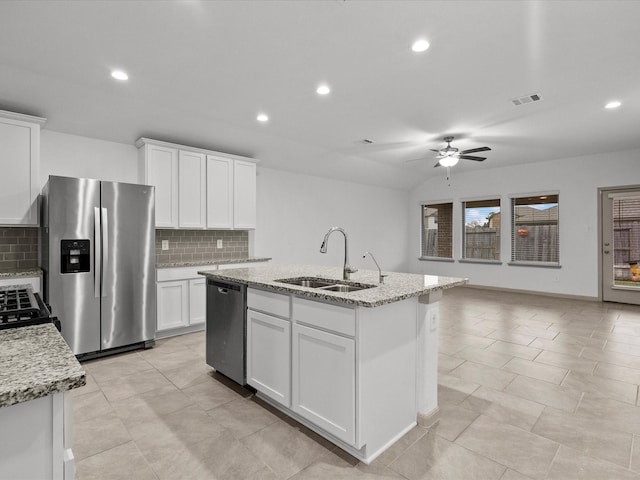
{"x": 201, "y": 245}
{"x": 18, "y": 248}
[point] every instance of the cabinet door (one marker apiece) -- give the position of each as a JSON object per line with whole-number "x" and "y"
{"x": 268, "y": 356}
{"x": 192, "y": 197}
{"x": 323, "y": 380}
{"x": 244, "y": 195}
{"x": 173, "y": 304}
{"x": 197, "y": 301}
{"x": 219, "y": 192}
{"x": 19, "y": 156}
{"x": 162, "y": 172}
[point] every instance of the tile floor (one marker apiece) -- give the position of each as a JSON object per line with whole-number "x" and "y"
{"x": 530, "y": 387}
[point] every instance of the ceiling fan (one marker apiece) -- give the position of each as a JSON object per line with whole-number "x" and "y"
{"x": 449, "y": 156}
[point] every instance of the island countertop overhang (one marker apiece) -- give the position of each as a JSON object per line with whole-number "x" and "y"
{"x": 397, "y": 286}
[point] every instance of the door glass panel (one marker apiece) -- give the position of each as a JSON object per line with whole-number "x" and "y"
{"x": 626, "y": 242}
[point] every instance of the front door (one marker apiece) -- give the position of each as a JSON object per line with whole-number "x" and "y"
{"x": 620, "y": 243}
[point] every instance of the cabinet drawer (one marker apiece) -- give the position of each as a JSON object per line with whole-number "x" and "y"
{"x": 324, "y": 315}
{"x": 268, "y": 302}
{"x": 181, "y": 273}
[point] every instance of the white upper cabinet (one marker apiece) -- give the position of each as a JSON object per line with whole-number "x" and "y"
{"x": 160, "y": 168}
{"x": 219, "y": 192}
{"x": 244, "y": 195}
{"x": 198, "y": 188}
{"x": 19, "y": 158}
{"x": 192, "y": 189}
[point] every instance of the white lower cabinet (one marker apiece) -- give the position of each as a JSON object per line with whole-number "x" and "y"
{"x": 269, "y": 356}
{"x": 351, "y": 370}
{"x": 324, "y": 380}
{"x": 173, "y": 304}
{"x": 41, "y": 438}
{"x": 197, "y": 301}
{"x": 182, "y": 300}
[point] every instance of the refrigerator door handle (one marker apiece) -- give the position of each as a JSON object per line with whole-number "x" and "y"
{"x": 105, "y": 246}
{"x": 97, "y": 249}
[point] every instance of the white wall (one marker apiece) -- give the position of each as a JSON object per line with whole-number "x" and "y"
{"x": 75, "y": 156}
{"x": 577, "y": 180}
{"x": 295, "y": 211}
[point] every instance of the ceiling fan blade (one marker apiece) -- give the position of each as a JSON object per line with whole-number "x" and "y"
{"x": 433, "y": 150}
{"x": 437, "y": 165}
{"x": 475, "y": 150}
{"x": 471, "y": 157}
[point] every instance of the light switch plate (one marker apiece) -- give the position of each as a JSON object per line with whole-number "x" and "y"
{"x": 165, "y": 244}
{"x": 219, "y": 244}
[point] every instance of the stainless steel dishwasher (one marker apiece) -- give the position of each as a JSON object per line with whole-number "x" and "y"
{"x": 226, "y": 329}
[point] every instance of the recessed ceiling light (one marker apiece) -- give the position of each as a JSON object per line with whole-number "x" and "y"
{"x": 420, "y": 45}
{"x": 613, "y": 104}
{"x": 323, "y": 90}
{"x": 119, "y": 75}
{"x": 262, "y": 117}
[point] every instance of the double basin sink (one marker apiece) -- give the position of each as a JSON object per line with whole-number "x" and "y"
{"x": 327, "y": 285}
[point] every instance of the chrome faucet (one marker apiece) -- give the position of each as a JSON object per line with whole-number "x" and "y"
{"x": 347, "y": 269}
{"x": 381, "y": 276}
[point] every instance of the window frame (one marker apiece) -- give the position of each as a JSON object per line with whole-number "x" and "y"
{"x": 514, "y": 230}
{"x": 463, "y": 205}
{"x": 428, "y": 204}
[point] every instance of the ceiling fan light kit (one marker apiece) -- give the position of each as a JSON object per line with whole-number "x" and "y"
{"x": 449, "y": 156}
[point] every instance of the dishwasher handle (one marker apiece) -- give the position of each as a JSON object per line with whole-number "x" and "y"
{"x": 224, "y": 287}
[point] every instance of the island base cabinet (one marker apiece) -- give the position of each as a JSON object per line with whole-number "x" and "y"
{"x": 269, "y": 356}
{"x": 323, "y": 380}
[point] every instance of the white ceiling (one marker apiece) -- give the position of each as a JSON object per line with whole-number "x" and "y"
{"x": 200, "y": 71}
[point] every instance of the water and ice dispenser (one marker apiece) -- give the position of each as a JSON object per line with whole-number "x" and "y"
{"x": 74, "y": 256}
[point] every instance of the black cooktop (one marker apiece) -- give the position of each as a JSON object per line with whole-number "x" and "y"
{"x": 20, "y": 307}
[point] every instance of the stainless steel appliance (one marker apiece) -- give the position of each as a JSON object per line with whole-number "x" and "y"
{"x": 21, "y": 307}
{"x": 98, "y": 259}
{"x": 226, "y": 329}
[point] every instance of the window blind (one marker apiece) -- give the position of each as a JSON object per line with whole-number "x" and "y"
{"x": 535, "y": 229}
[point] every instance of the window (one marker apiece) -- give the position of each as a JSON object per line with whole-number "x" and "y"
{"x": 437, "y": 230}
{"x": 534, "y": 229}
{"x": 481, "y": 233}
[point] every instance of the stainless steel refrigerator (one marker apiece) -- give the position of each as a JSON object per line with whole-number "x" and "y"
{"x": 98, "y": 260}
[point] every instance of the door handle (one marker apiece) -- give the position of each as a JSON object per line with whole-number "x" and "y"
{"x": 105, "y": 246}
{"x": 97, "y": 252}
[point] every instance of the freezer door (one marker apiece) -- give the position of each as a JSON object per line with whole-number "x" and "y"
{"x": 128, "y": 264}
{"x": 71, "y": 204}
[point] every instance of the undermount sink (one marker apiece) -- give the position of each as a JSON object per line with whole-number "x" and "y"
{"x": 327, "y": 284}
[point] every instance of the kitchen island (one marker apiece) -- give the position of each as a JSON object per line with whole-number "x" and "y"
{"x": 37, "y": 370}
{"x": 358, "y": 366}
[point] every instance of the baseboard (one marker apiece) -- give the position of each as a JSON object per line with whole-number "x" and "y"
{"x": 533, "y": 292}
{"x": 429, "y": 419}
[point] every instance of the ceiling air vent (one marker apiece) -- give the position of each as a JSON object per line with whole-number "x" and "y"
{"x": 534, "y": 97}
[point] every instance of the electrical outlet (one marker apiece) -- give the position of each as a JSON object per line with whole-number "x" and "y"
{"x": 219, "y": 244}
{"x": 165, "y": 244}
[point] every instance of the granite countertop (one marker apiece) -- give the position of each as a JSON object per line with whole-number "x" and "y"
{"x": 213, "y": 262}
{"x": 35, "y": 362}
{"x": 29, "y": 272}
{"x": 396, "y": 287}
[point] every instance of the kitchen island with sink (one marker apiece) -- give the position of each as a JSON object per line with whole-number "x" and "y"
{"x": 354, "y": 360}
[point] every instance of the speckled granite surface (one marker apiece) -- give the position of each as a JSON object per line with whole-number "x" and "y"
{"x": 32, "y": 272}
{"x": 36, "y": 362}
{"x": 396, "y": 287}
{"x": 214, "y": 262}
